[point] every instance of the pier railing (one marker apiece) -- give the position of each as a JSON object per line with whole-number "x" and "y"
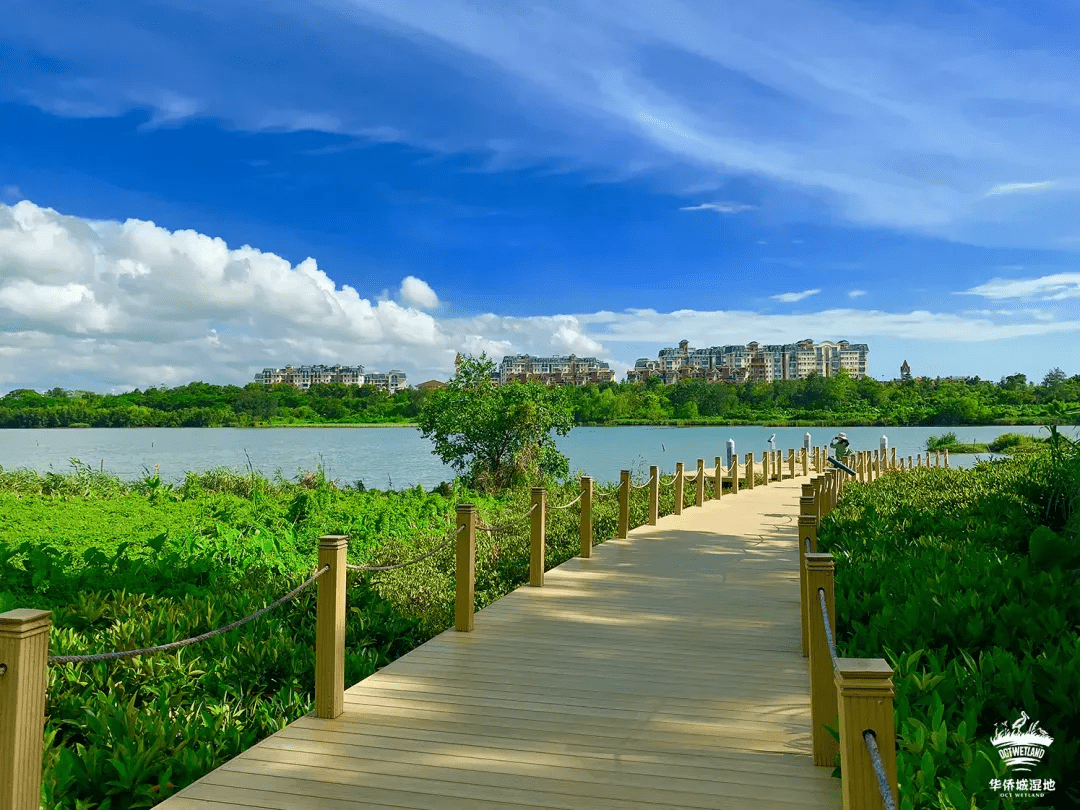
{"x": 857, "y": 691}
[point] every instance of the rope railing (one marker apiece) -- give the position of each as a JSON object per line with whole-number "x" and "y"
{"x": 112, "y": 656}
{"x": 828, "y": 626}
{"x": 568, "y": 505}
{"x": 508, "y": 524}
{"x": 879, "y": 769}
{"x": 664, "y": 483}
{"x": 424, "y": 556}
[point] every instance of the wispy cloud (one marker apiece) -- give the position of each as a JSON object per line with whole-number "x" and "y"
{"x": 11, "y": 193}
{"x": 794, "y": 296}
{"x": 1049, "y": 288}
{"x": 856, "y": 293}
{"x": 721, "y": 207}
{"x": 800, "y": 97}
{"x": 1020, "y": 188}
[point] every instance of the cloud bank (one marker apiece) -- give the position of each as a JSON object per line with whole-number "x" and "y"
{"x": 117, "y": 305}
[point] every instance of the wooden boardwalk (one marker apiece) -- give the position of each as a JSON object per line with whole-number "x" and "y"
{"x": 664, "y": 672}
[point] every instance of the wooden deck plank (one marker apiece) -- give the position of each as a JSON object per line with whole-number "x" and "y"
{"x": 664, "y": 671}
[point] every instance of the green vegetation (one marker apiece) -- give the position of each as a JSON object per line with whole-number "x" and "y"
{"x": 836, "y": 400}
{"x": 499, "y": 436}
{"x": 965, "y": 581}
{"x": 132, "y": 565}
{"x": 1005, "y": 443}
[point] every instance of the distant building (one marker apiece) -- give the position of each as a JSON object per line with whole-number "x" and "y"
{"x": 558, "y": 370}
{"x": 391, "y": 382}
{"x": 790, "y": 361}
{"x": 430, "y": 385}
{"x": 303, "y": 377}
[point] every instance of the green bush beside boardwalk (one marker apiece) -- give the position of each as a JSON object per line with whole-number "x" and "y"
{"x": 945, "y": 572}
{"x": 964, "y": 580}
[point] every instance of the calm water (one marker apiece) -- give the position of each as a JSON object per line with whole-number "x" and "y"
{"x": 402, "y": 457}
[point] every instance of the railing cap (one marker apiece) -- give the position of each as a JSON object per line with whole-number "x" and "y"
{"x": 21, "y": 622}
{"x": 466, "y": 507}
{"x": 332, "y": 542}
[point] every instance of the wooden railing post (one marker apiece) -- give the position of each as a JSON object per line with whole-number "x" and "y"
{"x": 779, "y": 465}
{"x": 700, "y": 481}
{"x": 465, "y": 568}
{"x": 654, "y": 495}
{"x": 937, "y": 458}
{"x": 586, "y": 516}
{"x": 791, "y": 462}
{"x": 749, "y": 470}
{"x": 807, "y": 532}
{"x": 718, "y": 477}
{"x": 865, "y": 695}
{"x": 24, "y": 677}
{"x": 765, "y": 467}
{"x": 817, "y": 459}
{"x": 538, "y": 537}
{"x": 823, "y": 706}
{"x": 680, "y": 487}
{"x": 734, "y": 474}
{"x": 892, "y": 455}
{"x": 624, "y": 504}
{"x": 877, "y": 463}
{"x": 805, "y": 458}
{"x": 330, "y": 627}
{"x": 909, "y": 464}
{"x": 946, "y": 458}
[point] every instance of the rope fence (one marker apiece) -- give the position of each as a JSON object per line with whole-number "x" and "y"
{"x": 568, "y": 505}
{"x": 424, "y": 556}
{"x": 508, "y": 524}
{"x": 879, "y": 769}
{"x": 828, "y": 626}
{"x": 113, "y": 656}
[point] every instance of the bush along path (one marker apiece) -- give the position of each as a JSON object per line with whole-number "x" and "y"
{"x": 966, "y": 580}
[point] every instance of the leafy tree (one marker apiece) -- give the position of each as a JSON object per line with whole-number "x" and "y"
{"x": 495, "y": 435}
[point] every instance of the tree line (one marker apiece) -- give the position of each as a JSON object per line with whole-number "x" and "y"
{"x": 838, "y": 399}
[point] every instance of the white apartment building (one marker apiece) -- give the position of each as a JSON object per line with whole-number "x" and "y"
{"x": 791, "y": 361}
{"x": 556, "y": 370}
{"x": 303, "y": 377}
{"x": 391, "y": 382}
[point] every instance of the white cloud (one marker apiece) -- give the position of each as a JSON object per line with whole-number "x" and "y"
{"x": 101, "y": 305}
{"x": 856, "y": 293}
{"x": 721, "y": 207}
{"x": 795, "y": 296}
{"x": 11, "y": 193}
{"x": 1049, "y": 288}
{"x": 1017, "y": 188}
{"x": 418, "y": 293}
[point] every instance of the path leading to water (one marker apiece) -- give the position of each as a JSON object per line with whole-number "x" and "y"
{"x": 664, "y": 672}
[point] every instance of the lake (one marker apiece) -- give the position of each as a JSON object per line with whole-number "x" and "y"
{"x": 385, "y": 457}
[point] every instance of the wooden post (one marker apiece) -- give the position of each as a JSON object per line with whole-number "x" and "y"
{"x": 586, "y": 516}
{"x": 718, "y": 477}
{"x": 624, "y": 504}
{"x": 909, "y": 464}
{"x": 805, "y": 458}
{"x": 865, "y": 695}
{"x": 749, "y": 470}
{"x": 946, "y": 458}
{"x": 892, "y": 455}
{"x": 807, "y": 532}
{"x": 654, "y": 495}
{"x": 817, "y": 459}
{"x": 680, "y": 485}
{"x": 734, "y": 474}
{"x": 823, "y": 706}
{"x": 538, "y": 536}
{"x": 877, "y": 463}
{"x": 791, "y": 462}
{"x": 700, "y": 481}
{"x": 937, "y": 458}
{"x": 465, "y": 568}
{"x": 779, "y": 465}
{"x": 819, "y": 498}
{"x": 330, "y": 627}
{"x": 24, "y": 677}
{"x": 765, "y": 467}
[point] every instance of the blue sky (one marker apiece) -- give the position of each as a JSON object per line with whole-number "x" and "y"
{"x": 196, "y": 191}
